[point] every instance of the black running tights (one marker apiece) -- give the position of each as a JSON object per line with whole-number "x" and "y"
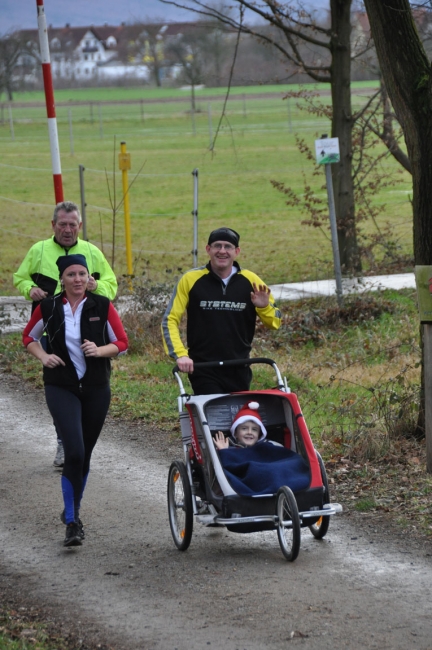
{"x": 79, "y": 417}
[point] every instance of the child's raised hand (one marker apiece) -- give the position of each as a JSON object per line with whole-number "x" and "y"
{"x": 220, "y": 441}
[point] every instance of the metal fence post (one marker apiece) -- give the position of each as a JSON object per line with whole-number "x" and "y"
{"x": 100, "y": 121}
{"x": 289, "y": 115}
{"x": 195, "y": 219}
{"x": 71, "y": 142}
{"x": 81, "y": 169}
{"x": 11, "y": 124}
{"x": 210, "y": 125}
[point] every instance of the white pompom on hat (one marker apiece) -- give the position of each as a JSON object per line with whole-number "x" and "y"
{"x": 248, "y": 412}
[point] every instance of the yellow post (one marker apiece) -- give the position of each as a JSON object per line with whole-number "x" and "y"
{"x": 124, "y": 165}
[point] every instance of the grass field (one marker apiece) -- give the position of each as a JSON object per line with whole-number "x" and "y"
{"x": 358, "y": 383}
{"x": 256, "y": 144}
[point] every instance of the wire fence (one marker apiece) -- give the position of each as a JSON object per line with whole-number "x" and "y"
{"x": 169, "y": 140}
{"x": 246, "y": 114}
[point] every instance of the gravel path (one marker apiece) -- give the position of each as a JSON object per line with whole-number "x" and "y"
{"x": 129, "y": 587}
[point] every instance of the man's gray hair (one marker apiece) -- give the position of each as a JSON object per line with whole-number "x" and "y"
{"x": 67, "y": 206}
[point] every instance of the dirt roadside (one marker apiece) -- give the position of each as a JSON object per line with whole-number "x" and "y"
{"x": 364, "y": 586}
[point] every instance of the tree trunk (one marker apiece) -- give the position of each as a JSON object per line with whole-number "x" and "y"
{"x": 157, "y": 75}
{"x": 407, "y": 75}
{"x": 156, "y": 64}
{"x": 342, "y": 125}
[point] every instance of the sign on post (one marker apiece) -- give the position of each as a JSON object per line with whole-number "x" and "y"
{"x": 327, "y": 152}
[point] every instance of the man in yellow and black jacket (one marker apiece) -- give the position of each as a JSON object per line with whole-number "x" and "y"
{"x": 222, "y": 302}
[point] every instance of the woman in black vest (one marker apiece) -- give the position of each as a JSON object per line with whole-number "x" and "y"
{"x": 83, "y": 332}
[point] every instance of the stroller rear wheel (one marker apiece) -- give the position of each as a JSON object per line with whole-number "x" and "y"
{"x": 180, "y": 509}
{"x": 321, "y": 526}
{"x": 288, "y": 523}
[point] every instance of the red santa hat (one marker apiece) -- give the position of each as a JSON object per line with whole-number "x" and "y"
{"x": 249, "y": 412}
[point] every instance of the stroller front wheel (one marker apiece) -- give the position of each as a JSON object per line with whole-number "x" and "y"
{"x": 288, "y": 523}
{"x": 320, "y": 527}
{"x": 180, "y": 510}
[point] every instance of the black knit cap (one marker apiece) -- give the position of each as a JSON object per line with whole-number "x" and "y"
{"x": 68, "y": 260}
{"x": 224, "y": 234}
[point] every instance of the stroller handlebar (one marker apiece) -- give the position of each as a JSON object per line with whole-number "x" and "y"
{"x": 229, "y": 362}
{"x": 282, "y": 385}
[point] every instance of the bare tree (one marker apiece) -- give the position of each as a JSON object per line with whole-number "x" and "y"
{"x": 189, "y": 50}
{"x": 383, "y": 123}
{"x": 323, "y": 52}
{"x": 216, "y": 52}
{"x": 407, "y": 73}
{"x": 14, "y": 53}
{"x": 148, "y": 47}
{"x": 218, "y": 46}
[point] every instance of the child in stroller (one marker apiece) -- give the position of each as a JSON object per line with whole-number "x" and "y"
{"x": 252, "y": 463}
{"x": 247, "y": 429}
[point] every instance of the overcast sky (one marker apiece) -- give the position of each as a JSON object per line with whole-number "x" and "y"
{"x": 23, "y": 13}
{"x": 15, "y": 14}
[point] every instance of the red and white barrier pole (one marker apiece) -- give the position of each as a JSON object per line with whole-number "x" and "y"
{"x": 49, "y": 100}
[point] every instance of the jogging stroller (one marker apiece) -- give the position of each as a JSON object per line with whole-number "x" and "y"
{"x": 201, "y": 487}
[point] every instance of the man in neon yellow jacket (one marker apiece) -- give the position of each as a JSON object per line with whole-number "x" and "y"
{"x": 38, "y": 276}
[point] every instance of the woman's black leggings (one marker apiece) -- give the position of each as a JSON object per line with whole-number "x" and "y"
{"x": 79, "y": 416}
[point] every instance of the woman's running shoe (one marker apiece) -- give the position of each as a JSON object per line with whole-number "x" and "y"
{"x": 80, "y": 524}
{"x": 73, "y": 535}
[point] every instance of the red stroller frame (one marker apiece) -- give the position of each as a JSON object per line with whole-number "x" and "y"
{"x": 198, "y": 487}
